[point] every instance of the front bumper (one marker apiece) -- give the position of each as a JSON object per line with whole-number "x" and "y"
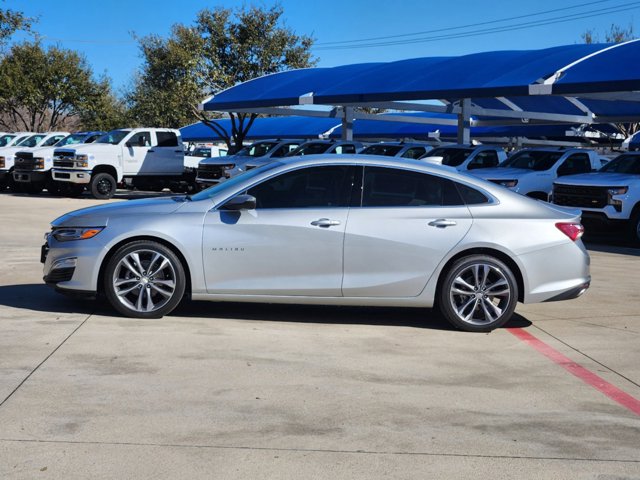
{"x": 71, "y": 267}
{"x": 72, "y": 176}
{"x": 3, "y": 174}
{"x": 23, "y": 176}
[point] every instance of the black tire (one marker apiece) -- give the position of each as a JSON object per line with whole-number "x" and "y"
{"x": 634, "y": 227}
{"x": 469, "y": 289}
{"x": 33, "y": 188}
{"x": 140, "y": 288}
{"x": 54, "y": 188}
{"x": 103, "y": 186}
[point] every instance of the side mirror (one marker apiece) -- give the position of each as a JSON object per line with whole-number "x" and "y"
{"x": 241, "y": 202}
{"x": 129, "y": 144}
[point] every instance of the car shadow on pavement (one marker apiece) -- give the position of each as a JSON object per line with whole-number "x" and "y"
{"x": 41, "y": 298}
{"x": 378, "y": 316}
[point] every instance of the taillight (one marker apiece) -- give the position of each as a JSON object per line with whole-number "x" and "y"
{"x": 572, "y": 230}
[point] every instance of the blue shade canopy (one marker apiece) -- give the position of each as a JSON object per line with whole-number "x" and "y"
{"x": 530, "y": 81}
{"x": 568, "y": 69}
{"x": 273, "y": 127}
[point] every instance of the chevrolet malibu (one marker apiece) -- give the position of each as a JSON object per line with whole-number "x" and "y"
{"x": 354, "y": 230}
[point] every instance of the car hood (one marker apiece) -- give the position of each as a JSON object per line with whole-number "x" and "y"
{"x": 500, "y": 173}
{"x": 39, "y": 152}
{"x": 597, "y": 179}
{"x": 11, "y": 151}
{"x": 91, "y": 147}
{"x": 98, "y": 216}
{"x": 226, "y": 160}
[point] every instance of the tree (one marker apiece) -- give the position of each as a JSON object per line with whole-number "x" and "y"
{"x": 222, "y": 48}
{"x": 12, "y": 21}
{"x": 616, "y": 34}
{"x": 101, "y": 109}
{"x": 45, "y": 89}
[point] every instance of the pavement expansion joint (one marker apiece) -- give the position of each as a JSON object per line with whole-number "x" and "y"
{"x": 321, "y": 450}
{"x": 45, "y": 359}
{"x": 577, "y": 350}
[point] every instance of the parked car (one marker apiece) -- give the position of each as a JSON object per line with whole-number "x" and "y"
{"x": 145, "y": 158}
{"x": 32, "y": 171}
{"x": 466, "y": 157}
{"x": 609, "y": 196}
{"x": 26, "y": 141}
{"x": 313, "y": 147}
{"x": 532, "y": 171}
{"x": 327, "y": 229}
{"x": 397, "y": 149}
{"x": 215, "y": 170}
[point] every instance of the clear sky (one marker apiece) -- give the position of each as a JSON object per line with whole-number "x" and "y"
{"x": 103, "y": 30}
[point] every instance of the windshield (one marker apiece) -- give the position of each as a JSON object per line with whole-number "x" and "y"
{"x": 309, "y": 149}
{"x": 246, "y": 175}
{"x": 537, "y": 160}
{"x": 623, "y": 164}
{"x": 386, "y": 150}
{"x": 451, "y": 157}
{"x": 19, "y": 140}
{"x": 257, "y": 149}
{"x": 114, "y": 137}
{"x": 5, "y": 139}
{"x": 71, "y": 139}
{"x": 201, "y": 152}
{"x": 31, "y": 141}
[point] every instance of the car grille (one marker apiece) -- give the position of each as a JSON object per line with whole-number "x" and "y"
{"x": 25, "y": 161}
{"x": 64, "y": 163}
{"x": 580, "y": 196}
{"x": 60, "y": 275}
{"x": 213, "y": 172}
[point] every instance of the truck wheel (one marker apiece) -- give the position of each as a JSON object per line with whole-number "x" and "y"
{"x": 54, "y": 188}
{"x": 102, "y": 186}
{"x": 144, "y": 279}
{"x": 33, "y": 188}
{"x": 634, "y": 227}
{"x": 478, "y": 294}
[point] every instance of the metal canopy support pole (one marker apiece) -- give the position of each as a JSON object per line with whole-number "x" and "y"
{"x": 347, "y": 123}
{"x": 464, "y": 122}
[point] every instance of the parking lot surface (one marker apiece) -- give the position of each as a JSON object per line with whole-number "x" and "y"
{"x": 272, "y": 391}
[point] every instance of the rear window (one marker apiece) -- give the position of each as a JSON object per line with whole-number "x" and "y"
{"x": 167, "y": 139}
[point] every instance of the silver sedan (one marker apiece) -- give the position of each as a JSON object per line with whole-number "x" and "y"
{"x": 354, "y": 230}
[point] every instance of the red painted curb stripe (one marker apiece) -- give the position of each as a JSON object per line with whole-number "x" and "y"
{"x": 587, "y": 376}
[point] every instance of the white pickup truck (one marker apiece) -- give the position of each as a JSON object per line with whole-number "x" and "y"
{"x": 466, "y": 157}
{"x": 32, "y": 169}
{"x": 532, "y": 171}
{"x": 23, "y": 141}
{"x": 610, "y": 195}
{"x": 144, "y": 158}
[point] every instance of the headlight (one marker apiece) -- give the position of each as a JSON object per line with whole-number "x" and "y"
{"x": 63, "y": 234}
{"x": 508, "y": 183}
{"x": 81, "y": 161}
{"x": 618, "y": 190}
{"x": 39, "y": 165}
{"x": 1, "y": 162}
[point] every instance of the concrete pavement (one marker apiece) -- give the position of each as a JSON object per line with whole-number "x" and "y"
{"x": 268, "y": 391}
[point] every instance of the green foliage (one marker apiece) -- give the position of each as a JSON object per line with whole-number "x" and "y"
{"x": 12, "y": 21}
{"x": 222, "y": 48}
{"x": 44, "y": 89}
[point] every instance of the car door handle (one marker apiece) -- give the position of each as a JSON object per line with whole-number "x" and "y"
{"x": 442, "y": 223}
{"x": 178, "y": 151}
{"x": 151, "y": 151}
{"x": 325, "y": 222}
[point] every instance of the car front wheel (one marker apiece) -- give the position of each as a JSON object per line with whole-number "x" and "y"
{"x": 144, "y": 279}
{"x": 478, "y": 294}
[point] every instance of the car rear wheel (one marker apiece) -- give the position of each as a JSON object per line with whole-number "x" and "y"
{"x": 144, "y": 279}
{"x": 478, "y": 294}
